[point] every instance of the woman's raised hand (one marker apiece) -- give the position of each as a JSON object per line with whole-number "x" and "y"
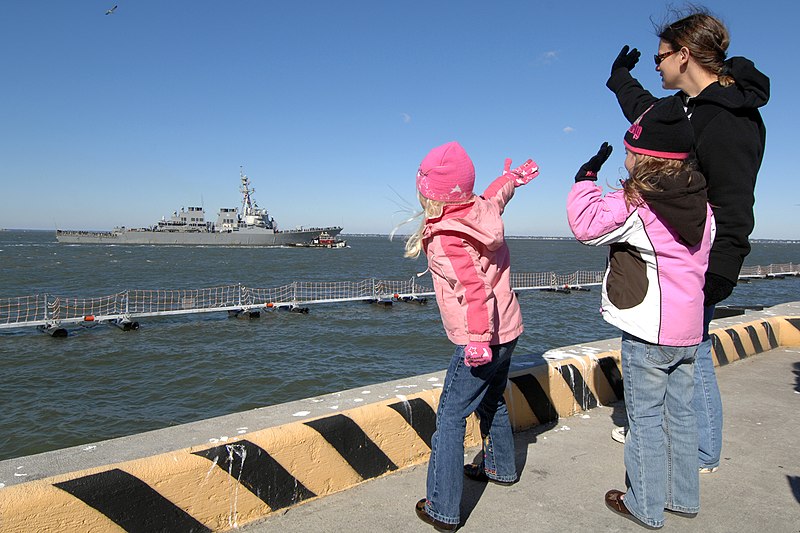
{"x": 626, "y": 59}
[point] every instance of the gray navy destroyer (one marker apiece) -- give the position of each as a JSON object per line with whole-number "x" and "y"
{"x": 251, "y": 227}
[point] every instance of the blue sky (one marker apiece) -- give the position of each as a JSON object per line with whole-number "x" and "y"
{"x": 330, "y": 106}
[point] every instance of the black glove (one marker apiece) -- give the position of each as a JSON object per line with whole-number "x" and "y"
{"x": 590, "y": 169}
{"x": 716, "y": 289}
{"x": 626, "y": 59}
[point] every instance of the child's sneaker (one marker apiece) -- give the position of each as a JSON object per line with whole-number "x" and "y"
{"x": 619, "y": 433}
{"x": 708, "y": 469}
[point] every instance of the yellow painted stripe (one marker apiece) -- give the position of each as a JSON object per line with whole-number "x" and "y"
{"x": 39, "y": 506}
{"x": 203, "y": 490}
{"x": 310, "y": 458}
{"x": 788, "y": 332}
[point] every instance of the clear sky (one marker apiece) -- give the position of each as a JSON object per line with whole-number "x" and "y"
{"x": 329, "y": 106}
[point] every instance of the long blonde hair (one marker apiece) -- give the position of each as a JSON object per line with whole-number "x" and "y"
{"x": 430, "y": 209}
{"x": 648, "y": 174}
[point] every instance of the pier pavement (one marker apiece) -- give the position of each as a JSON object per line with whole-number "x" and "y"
{"x": 565, "y": 470}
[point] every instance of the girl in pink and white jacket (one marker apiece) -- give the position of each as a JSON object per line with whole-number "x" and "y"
{"x": 463, "y": 238}
{"x": 660, "y": 229}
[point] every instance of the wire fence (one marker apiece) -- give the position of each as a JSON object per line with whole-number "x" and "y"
{"x": 49, "y": 310}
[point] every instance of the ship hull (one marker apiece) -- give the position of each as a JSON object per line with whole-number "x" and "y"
{"x": 184, "y": 238}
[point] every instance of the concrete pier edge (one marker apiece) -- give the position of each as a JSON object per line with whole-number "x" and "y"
{"x": 225, "y": 472}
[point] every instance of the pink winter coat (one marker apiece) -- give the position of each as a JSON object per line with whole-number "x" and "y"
{"x": 653, "y": 285}
{"x": 469, "y": 262}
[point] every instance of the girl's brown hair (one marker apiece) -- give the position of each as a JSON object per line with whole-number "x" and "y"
{"x": 704, "y": 35}
{"x": 649, "y": 174}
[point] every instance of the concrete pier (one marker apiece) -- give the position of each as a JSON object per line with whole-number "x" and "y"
{"x": 355, "y": 460}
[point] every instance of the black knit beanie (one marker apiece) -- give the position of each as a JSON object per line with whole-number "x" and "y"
{"x": 663, "y": 130}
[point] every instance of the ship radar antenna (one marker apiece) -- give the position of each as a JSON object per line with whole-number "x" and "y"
{"x": 248, "y": 203}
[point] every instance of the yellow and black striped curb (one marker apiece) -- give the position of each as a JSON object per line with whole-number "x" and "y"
{"x": 547, "y": 392}
{"x": 221, "y": 487}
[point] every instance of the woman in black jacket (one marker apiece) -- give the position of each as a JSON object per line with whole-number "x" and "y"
{"x": 722, "y": 98}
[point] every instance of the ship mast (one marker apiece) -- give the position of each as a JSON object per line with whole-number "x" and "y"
{"x": 248, "y": 202}
{"x": 252, "y": 215}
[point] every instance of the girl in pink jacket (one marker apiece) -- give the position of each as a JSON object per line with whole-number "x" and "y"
{"x": 659, "y": 227}
{"x": 462, "y": 237}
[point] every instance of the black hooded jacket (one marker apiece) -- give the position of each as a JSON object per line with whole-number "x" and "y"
{"x": 681, "y": 204}
{"x": 729, "y": 145}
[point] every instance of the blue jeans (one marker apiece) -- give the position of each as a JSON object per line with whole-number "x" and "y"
{"x": 661, "y": 445}
{"x": 707, "y": 400}
{"x": 466, "y": 390}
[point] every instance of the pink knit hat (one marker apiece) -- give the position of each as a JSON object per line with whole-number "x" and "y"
{"x": 446, "y": 174}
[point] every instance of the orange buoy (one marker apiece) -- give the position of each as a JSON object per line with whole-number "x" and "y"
{"x": 88, "y": 318}
{"x": 270, "y": 304}
{"x": 396, "y": 295}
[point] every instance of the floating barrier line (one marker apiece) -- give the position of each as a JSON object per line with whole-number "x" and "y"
{"x": 48, "y": 311}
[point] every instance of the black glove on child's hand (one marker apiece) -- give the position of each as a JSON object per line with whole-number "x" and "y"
{"x": 716, "y": 289}
{"x": 626, "y": 59}
{"x": 589, "y": 170}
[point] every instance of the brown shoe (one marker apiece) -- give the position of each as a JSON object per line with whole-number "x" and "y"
{"x": 615, "y": 503}
{"x": 438, "y": 525}
{"x": 477, "y": 473}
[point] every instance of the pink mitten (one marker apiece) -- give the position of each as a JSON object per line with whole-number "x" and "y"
{"x": 523, "y": 173}
{"x": 477, "y": 353}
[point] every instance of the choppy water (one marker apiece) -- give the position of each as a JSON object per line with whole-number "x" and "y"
{"x": 102, "y": 382}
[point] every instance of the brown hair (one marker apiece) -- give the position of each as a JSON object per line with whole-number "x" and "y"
{"x": 704, "y": 35}
{"x": 648, "y": 174}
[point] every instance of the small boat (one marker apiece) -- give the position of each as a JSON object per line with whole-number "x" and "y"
{"x": 324, "y": 240}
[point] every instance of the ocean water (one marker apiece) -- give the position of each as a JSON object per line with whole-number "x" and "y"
{"x": 101, "y": 382}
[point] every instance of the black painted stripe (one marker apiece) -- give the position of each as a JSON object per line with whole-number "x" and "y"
{"x": 354, "y": 445}
{"x": 580, "y": 390}
{"x": 420, "y": 416}
{"x": 609, "y": 367}
{"x": 737, "y": 343}
{"x": 130, "y": 503}
{"x": 753, "y": 334}
{"x": 795, "y": 322}
{"x": 773, "y": 341}
{"x": 257, "y": 470}
{"x": 535, "y": 396}
{"x": 719, "y": 350}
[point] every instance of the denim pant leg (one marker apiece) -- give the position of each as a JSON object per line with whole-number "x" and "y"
{"x": 707, "y": 401}
{"x": 683, "y": 478}
{"x": 647, "y": 370}
{"x": 463, "y": 391}
{"x": 498, "y": 437}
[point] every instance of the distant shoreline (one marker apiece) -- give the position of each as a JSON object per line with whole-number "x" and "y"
{"x": 509, "y": 237}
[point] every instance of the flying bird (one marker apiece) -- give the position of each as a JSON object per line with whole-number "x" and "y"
{"x": 111, "y": 11}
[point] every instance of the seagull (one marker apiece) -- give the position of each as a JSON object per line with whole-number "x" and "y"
{"x": 111, "y": 11}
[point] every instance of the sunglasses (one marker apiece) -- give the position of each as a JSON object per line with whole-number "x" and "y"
{"x": 658, "y": 58}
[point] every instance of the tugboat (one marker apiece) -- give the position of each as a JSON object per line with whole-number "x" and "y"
{"x": 325, "y": 240}
{"x": 251, "y": 227}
